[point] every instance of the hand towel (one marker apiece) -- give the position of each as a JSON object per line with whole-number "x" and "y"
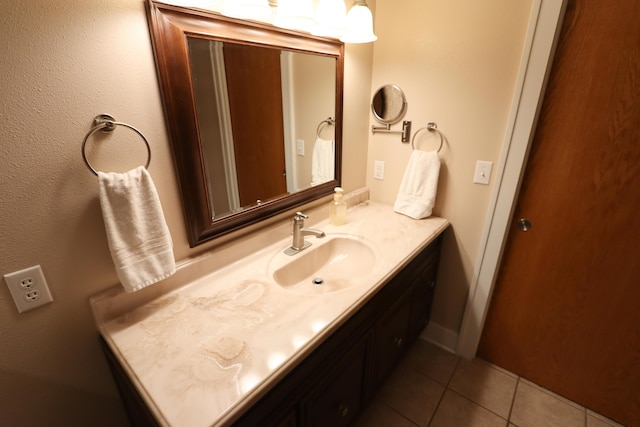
{"x": 138, "y": 236}
{"x": 322, "y": 162}
{"x": 417, "y": 193}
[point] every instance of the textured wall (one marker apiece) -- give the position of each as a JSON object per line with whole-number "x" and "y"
{"x": 457, "y": 62}
{"x": 63, "y": 63}
{"x": 66, "y": 61}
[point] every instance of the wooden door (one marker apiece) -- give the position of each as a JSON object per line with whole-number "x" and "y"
{"x": 254, "y": 83}
{"x": 565, "y": 312}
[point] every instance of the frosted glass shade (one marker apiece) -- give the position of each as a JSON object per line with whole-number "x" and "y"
{"x": 295, "y": 15}
{"x": 359, "y": 24}
{"x": 331, "y": 19}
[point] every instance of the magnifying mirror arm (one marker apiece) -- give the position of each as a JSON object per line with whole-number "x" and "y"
{"x": 405, "y": 132}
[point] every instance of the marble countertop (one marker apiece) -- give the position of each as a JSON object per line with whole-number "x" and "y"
{"x": 200, "y": 353}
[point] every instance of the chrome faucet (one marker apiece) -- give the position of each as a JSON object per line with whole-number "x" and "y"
{"x": 299, "y": 244}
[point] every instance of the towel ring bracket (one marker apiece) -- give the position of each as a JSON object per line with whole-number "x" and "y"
{"x": 431, "y": 127}
{"x": 329, "y": 121}
{"x": 106, "y": 123}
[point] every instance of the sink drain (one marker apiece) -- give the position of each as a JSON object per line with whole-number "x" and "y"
{"x": 318, "y": 281}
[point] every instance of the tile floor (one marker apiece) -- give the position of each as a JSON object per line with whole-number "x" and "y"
{"x": 434, "y": 388}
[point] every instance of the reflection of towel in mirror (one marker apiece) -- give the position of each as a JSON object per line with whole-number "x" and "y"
{"x": 417, "y": 193}
{"x": 322, "y": 162}
{"x": 137, "y": 233}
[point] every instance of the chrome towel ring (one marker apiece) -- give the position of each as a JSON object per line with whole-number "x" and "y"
{"x": 107, "y": 123}
{"x": 431, "y": 127}
{"x": 329, "y": 121}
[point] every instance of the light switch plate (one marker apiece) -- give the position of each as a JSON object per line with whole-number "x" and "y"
{"x": 483, "y": 172}
{"x": 300, "y": 147}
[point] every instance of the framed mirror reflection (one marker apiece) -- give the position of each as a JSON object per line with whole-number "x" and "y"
{"x": 254, "y": 114}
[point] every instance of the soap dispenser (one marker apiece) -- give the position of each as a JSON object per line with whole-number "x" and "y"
{"x": 338, "y": 208}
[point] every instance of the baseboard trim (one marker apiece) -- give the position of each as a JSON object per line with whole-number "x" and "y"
{"x": 440, "y": 336}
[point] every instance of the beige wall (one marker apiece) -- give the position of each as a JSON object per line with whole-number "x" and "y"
{"x": 66, "y": 61}
{"x": 314, "y": 97}
{"x": 63, "y": 63}
{"x": 457, "y": 63}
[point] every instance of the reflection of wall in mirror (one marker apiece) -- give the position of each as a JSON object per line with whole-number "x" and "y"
{"x": 306, "y": 98}
{"x": 314, "y": 98}
{"x": 209, "y": 123}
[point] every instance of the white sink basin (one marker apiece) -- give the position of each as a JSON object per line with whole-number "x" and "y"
{"x": 330, "y": 264}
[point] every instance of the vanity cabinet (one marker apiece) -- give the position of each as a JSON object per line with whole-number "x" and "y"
{"x": 391, "y": 337}
{"x": 336, "y": 381}
{"x": 338, "y": 399}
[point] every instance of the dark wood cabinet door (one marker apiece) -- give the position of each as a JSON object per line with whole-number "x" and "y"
{"x": 289, "y": 420}
{"x": 339, "y": 400}
{"x": 391, "y": 337}
{"x": 423, "y": 290}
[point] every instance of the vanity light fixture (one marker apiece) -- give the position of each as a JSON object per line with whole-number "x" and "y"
{"x": 331, "y": 19}
{"x": 246, "y": 9}
{"x": 359, "y": 24}
{"x": 295, "y": 15}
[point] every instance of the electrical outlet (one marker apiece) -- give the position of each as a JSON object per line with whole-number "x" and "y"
{"x": 378, "y": 169}
{"x": 28, "y": 288}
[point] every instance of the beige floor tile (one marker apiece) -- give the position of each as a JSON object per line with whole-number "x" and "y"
{"x": 596, "y": 420}
{"x": 412, "y": 394}
{"x": 485, "y": 385}
{"x": 535, "y": 408}
{"x": 431, "y": 360}
{"x": 380, "y": 415}
{"x": 457, "y": 411}
{"x": 557, "y": 396}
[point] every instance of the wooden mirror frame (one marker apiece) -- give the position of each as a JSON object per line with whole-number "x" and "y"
{"x": 170, "y": 26}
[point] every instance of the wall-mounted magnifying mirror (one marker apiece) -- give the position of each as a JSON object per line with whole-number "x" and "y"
{"x": 389, "y": 106}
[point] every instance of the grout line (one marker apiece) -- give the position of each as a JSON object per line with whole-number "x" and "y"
{"x": 435, "y": 411}
{"x": 446, "y": 387}
{"x": 555, "y": 395}
{"x": 453, "y": 373}
{"x": 513, "y": 401}
{"x": 585, "y": 417}
{"x": 399, "y": 413}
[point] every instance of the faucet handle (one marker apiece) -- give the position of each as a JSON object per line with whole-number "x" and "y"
{"x": 300, "y": 216}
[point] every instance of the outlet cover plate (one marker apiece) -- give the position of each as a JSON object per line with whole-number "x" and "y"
{"x": 28, "y": 288}
{"x": 378, "y": 169}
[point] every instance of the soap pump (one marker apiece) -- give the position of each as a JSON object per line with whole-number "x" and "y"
{"x": 338, "y": 208}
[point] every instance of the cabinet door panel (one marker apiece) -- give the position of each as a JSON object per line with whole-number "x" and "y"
{"x": 339, "y": 401}
{"x": 424, "y": 288}
{"x": 391, "y": 337}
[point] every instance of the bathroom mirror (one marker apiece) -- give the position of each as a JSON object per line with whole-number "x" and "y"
{"x": 389, "y": 104}
{"x": 247, "y": 106}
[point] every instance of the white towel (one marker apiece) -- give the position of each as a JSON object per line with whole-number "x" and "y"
{"x": 322, "y": 162}
{"x": 417, "y": 193}
{"x": 137, "y": 233}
